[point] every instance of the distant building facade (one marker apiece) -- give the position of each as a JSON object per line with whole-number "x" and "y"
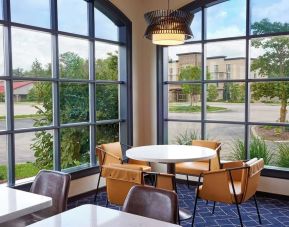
{"x": 20, "y": 90}
{"x": 218, "y": 67}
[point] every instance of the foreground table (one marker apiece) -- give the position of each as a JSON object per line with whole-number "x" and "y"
{"x": 16, "y": 203}
{"x": 91, "y": 215}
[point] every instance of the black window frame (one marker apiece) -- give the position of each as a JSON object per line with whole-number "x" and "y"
{"x": 124, "y": 83}
{"x": 162, "y": 82}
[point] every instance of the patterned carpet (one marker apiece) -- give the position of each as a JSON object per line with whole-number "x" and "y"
{"x": 274, "y": 212}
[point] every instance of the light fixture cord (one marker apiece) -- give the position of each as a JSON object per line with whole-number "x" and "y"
{"x": 168, "y": 4}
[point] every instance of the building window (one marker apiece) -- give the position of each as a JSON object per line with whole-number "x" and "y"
{"x": 62, "y": 83}
{"x": 241, "y": 98}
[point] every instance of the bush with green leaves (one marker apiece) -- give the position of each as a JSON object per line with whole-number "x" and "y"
{"x": 187, "y": 137}
{"x": 74, "y": 107}
{"x": 282, "y": 159}
{"x": 258, "y": 149}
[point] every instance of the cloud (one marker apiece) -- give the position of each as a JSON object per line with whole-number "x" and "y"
{"x": 276, "y": 10}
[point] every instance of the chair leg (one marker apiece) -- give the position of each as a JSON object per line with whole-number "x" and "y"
{"x": 188, "y": 184}
{"x": 257, "y": 208}
{"x": 239, "y": 213}
{"x": 213, "y": 211}
{"x": 95, "y": 197}
{"x": 195, "y": 207}
{"x": 106, "y": 204}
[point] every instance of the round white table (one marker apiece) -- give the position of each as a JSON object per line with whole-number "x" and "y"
{"x": 170, "y": 154}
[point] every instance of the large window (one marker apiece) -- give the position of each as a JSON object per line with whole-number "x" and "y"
{"x": 62, "y": 83}
{"x": 232, "y": 84}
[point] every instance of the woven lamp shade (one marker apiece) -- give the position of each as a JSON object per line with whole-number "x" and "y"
{"x": 168, "y": 27}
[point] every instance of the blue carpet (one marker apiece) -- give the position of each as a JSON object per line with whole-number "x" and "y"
{"x": 274, "y": 212}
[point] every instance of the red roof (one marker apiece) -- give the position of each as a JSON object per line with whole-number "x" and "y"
{"x": 15, "y": 85}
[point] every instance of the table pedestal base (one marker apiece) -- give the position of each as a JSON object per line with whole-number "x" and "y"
{"x": 183, "y": 213}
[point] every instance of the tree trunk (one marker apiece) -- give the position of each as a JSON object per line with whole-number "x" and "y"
{"x": 283, "y": 110}
{"x": 191, "y": 99}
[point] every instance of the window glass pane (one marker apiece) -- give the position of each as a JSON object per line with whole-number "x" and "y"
{"x": 269, "y": 101}
{"x": 104, "y": 27}
{"x": 226, "y": 101}
{"x": 3, "y": 159}
{"x": 196, "y": 27}
{"x": 107, "y": 133}
{"x": 74, "y": 146}
{"x": 74, "y": 105}
{"x": 32, "y": 12}
{"x": 1, "y": 9}
{"x": 106, "y": 61}
{"x": 269, "y": 16}
{"x": 1, "y": 52}
{"x": 31, "y": 53}
{"x": 32, "y": 104}
{"x": 184, "y": 101}
{"x": 226, "y": 60}
{"x": 33, "y": 151}
{"x": 72, "y": 16}
{"x": 73, "y": 57}
{"x": 230, "y": 136}
{"x": 185, "y": 59}
{"x": 226, "y": 19}
{"x": 271, "y": 144}
{"x": 106, "y": 102}
{"x": 183, "y": 132}
{"x": 269, "y": 57}
{"x": 2, "y": 106}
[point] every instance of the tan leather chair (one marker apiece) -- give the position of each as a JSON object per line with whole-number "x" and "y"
{"x": 53, "y": 184}
{"x": 152, "y": 203}
{"x": 119, "y": 180}
{"x": 196, "y": 168}
{"x": 111, "y": 153}
{"x": 235, "y": 184}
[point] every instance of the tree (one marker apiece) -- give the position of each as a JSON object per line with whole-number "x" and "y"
{"x": 274, "y": 62}
{"x": 191, "y": 73}
{"x": 74, "y": 107}
{"x": 237, "y": 93}
{"x": 212, "y": 93}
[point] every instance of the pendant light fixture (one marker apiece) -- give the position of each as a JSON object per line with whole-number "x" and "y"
{"x": 168, "y": 27}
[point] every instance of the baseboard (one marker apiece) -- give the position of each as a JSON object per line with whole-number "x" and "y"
{"x": 86, "y": 194}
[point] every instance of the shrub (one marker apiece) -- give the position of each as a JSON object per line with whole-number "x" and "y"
{"x": 187, "y": 137}
{"x": 282, "y": 159}
{"x": 258, "y": 149}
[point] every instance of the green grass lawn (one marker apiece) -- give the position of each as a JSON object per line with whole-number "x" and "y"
{"x": 193, "y": 109}
{"x": 23, "y": 170}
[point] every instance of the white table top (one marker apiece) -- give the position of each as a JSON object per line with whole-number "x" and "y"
{"x": 170, "y": 153}
{"x": 90, "y": 215}
{"x": 16, "y": 203}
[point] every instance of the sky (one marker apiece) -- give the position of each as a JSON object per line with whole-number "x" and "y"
{"x": 27, "y": 45}
{"x": 228, "y": 19}
{"x": 224, "y": 20}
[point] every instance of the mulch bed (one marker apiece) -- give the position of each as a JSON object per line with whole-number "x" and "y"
{"x": 273, "y": 134}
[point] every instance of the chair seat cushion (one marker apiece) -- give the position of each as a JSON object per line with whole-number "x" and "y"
{"x": 192, "y": 168}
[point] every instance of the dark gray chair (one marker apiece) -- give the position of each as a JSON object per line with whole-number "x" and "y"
{"x": 49, "y": 183}
{"x": 153, "y": 203}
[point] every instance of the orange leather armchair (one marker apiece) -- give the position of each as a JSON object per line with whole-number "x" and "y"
{"x": 234, "y": 184}
{"x": 120, "y": 178}
{"x": 196, "y": 168}
{"x": 111, "y": 153}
